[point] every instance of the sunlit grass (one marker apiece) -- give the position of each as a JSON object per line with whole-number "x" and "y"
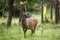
{"x": 15, "y": 32}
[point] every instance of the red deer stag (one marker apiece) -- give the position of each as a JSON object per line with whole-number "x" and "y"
{"x": 28, "y": 23}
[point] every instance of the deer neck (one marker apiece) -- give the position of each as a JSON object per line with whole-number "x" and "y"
{"x": 24, "y": 21}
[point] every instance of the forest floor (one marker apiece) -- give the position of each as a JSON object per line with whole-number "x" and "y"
{"x": 15, "y": 32}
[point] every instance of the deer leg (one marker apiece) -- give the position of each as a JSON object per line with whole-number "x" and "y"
{"x": 24, "y": 32}
{"x": 34, "y": 28}
{"x": 32, "y": 31}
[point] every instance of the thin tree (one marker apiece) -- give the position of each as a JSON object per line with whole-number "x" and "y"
{"x": 20, "y": 16}
{"x": 1, "y": 9}
{"x": 10, "y": 3}
{"x": 51, "y": 10}
{"x": 56, "y": 12}
{"x": 42, "y": 13}
{"x": 42, "y": 19}
{"x": 22, "y": 10}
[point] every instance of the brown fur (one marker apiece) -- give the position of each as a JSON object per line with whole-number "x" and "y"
{"x": 28, "y": 23}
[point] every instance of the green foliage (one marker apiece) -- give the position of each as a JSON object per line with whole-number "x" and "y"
{"x": 15, "y": 32}
{"x": 31, "y": 5}
{"x": 50, "y": 31}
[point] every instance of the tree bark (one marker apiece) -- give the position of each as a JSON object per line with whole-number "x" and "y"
{"x": 42, "y": 13}
{"x": 56, "y": 12}
{"x": 51, "y": 10}
{"x": 10, "y": 3}
{"x": 20, "y": 17}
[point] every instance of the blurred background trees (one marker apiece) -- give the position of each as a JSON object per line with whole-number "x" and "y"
{"x": 9, "y": 8}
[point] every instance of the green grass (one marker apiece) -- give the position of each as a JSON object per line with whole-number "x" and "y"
{"x": 15, "y": 32}
{"x": 50, "y": 32}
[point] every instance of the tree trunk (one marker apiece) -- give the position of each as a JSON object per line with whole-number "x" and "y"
{"x": 10, "y": 2}
{"x": 1, "y": 13}
{"x": 20, "y": 17}
{"x": 42, "y": 13}
{"x": 51, "y": 11}
{"x": 56, "y": 12}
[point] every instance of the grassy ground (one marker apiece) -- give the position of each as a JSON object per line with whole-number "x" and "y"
{"x": 15, "y": 32}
